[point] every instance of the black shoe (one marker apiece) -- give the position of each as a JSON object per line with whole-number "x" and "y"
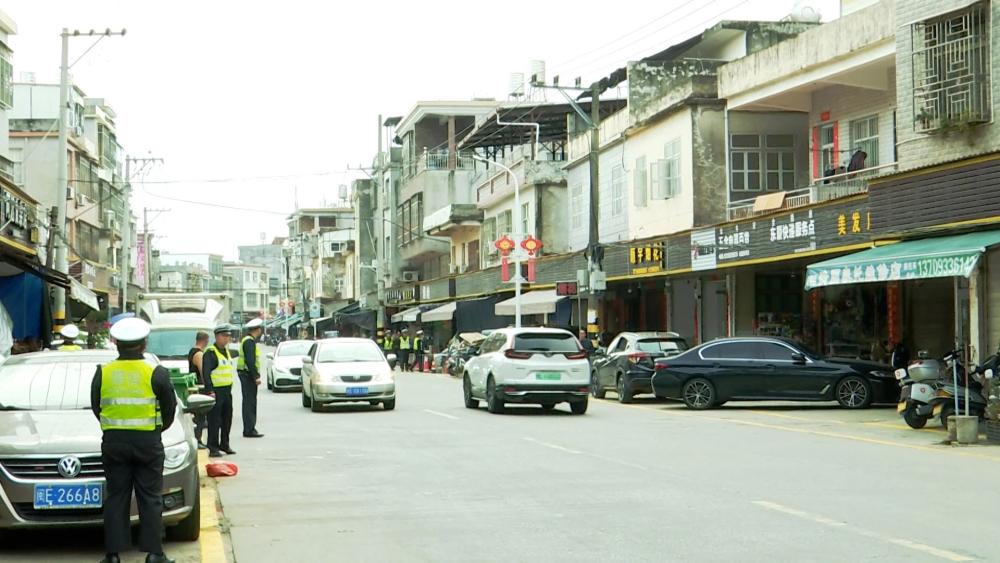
{"x": 215, "y": 453}
{"x": 202, "y": 446}
{"x": 229, "y": 451}
{"x": 158, "y": 558}
{"x": 254, "y": 434}
{"x": 111, "y": 558}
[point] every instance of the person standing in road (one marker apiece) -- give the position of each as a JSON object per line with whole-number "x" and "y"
{"x": 248, "y": 368}
{"x": 396, "y": 338}
{"x": 586, "y": 343}
{"x": 134, "y": 403}
{"x": 404, "y": 349}
{"x": 194, "y": 366}
{"x": 418, "y": 351}
{"x": 69, "y": 333}
{"x": 219, "y": 369}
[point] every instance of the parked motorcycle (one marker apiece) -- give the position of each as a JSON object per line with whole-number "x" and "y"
{"x": 929, "y": 389}
{"x": 920, "y": 382}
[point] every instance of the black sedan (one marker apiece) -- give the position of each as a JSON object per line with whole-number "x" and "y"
{"x": 770, "y": 369}
{"x": 627, "y": 365}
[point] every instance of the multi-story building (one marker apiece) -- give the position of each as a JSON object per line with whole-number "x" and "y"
{"x": 271, "y": 256}
{"x": 249, "y": 290}
{"x": 210, "y": 266}
{"x": 181, "y": 278}
{"x": 317, "y": 251}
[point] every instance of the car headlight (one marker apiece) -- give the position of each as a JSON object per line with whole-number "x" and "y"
{"x": 385, "y": 377}
{"x": 175, "y": 456}
{"x": 281, "y": 370}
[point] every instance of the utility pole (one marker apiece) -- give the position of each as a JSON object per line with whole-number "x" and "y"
{"x": 127, "y": 227}
{"x": 379, "y": 280}
{"x": 595, "y": 253}
{"x": 62, "y": 185}
{"x": 146, "y": 238}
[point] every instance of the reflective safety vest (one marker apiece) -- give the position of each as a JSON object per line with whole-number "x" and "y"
{"x": 70, "y": 348}
{"x": 223, "y": 374}
{"x": 387, "y": 343}
{"x": 404, "y": 342}
{"x": 241, "y": 362}
{"x": 417, "y": 342}
{"x": 127, "y": 398}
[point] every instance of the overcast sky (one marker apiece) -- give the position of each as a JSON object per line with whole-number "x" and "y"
{"x": 265, "y": 99}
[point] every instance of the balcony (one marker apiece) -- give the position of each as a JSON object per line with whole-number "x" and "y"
{"x": 452, "y": 218}
{"x": 824, "y": 189}
{"x": 495, "y": 184}
{"x": 7, "y": 169}
{"x": 437, "y": 160}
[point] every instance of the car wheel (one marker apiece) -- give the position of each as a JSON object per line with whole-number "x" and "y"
{"x": 595, "y": 386}
{"x": 854, "y": 392}
{"x": 270, "y": 383}
{"x": 306, "y": 401}
{"x": 494, "y": 403}
{"x": 698, "y": 393}
{"x": 470, "y": 401}
{"x": 188, "y": 529}
{"x": 912, "y": 419}
{"x": 624, "y": 390}
{"x": 549, "y": 406}
{"x": 579, "y": 407}
{"x": 314, "y": 406}
{"x": 947, "y": 411}
{"x": 389, "y": 405}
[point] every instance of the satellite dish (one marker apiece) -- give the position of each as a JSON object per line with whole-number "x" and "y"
{"x": 803, "y": 12}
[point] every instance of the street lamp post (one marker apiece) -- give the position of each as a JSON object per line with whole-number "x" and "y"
{"x": 518, "y": 237}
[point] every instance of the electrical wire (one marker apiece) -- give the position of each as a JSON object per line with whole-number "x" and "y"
{"x": 214, "y": 205}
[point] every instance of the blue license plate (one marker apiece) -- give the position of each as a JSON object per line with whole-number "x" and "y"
{"x": 82, "y": 495}
{"x": 356, "y": 391}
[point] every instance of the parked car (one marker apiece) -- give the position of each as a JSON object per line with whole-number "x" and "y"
{"x": 757, "y": 368}
{"x": 544, "y": 366}
{"x": 285, "y": 365}
{"x": 626, "y": 367}
{"x": 50, "y": 447}
{"x": 347, "y": 370}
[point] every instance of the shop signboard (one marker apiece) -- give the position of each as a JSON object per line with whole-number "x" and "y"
{"x": 703, "y": 256}
{"x": 646, "y": 259}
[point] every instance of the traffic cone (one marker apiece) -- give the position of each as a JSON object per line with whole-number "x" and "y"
{"x": 427, "y": 365}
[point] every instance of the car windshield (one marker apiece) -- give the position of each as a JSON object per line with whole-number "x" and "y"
{"x": 349, "y": 352}
{"x": 294, "y": 349}
{"x": 49, "y": 384}
{"x": 666, "y": 345}
{"x": 171, "y": 344}
{"x": 546, "y": 342}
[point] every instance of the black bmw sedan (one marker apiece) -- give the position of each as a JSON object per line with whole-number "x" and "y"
{"x": 770, "y": 369}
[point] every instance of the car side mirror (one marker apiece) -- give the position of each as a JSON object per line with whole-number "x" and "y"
{"x": 199, "y": 405}
{"x": 391, "y": 358}
{"x": 270, "y": 356}
{"x": 799, "y": 358}
{"x": 306, "y": 360}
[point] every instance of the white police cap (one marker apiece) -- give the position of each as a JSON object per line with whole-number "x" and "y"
{"x": 256, "y": 323}
{"x": 70, "y": 332}
{"x": 130, "y": 330}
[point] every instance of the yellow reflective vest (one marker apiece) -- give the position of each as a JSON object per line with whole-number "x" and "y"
{"x": 70, "y": 348}
{"x": 241, "y": 363}
{"x": 127, "y": 398}
{"x": 404, "y": 342}
{"x": 223, "y": 374}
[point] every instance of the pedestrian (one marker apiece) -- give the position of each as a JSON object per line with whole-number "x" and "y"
{"x": 900, "y": 356}
{"x": 134, "y": 405}
{"x": 195, "y": 356}
{"x": 69, "y": 334}
{"x": 395, "y": 348}
{"x": 418, "y": 351}
{"x": 248, "y": 368}
{"x": 586, "y": 343}
{"x": 219, "y": 368}
{"x": 404, "y": 349}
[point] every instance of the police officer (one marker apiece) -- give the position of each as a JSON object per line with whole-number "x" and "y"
{"x": 404, "y": 349}
{"x": 134, "y": 402}
{"x": 69, "y": 334}
{"x": 248, "y": 368}
{"x": 418, "y": 351}
{"x": 219, "y": 370}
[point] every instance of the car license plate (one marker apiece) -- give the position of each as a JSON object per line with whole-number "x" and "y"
{"x": 938, "y": 408}
{"x": 548, "y": 375}
{"x": 356, "y": 391}
{"x": 83, "y": 495}
{"x": 901, "y": 407}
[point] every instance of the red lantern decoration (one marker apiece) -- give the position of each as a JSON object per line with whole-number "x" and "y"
{"x": 504, "y": 244}
{"x": 532, "y": 246}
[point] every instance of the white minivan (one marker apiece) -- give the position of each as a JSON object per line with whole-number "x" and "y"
{"x": 543, "y": 366}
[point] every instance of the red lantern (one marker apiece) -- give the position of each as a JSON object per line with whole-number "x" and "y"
{"x": 504, "y": 244}
{"x": 532, "y": 246}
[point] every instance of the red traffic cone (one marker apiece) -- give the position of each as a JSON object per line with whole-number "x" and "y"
{"x": 427, "y": 365}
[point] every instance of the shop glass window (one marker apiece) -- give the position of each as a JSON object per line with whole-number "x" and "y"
{"x": 864, "y": 137}
{"x": 730, "y": 351}
{"x": 617, "y": 191}
{"x": 775, "y": 352}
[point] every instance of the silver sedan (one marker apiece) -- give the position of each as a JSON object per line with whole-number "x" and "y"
{"x": 347, "y": 370}
{"x": 285, "y": 369}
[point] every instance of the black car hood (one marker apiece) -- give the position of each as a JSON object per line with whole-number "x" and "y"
{"x": 860, "y": 365}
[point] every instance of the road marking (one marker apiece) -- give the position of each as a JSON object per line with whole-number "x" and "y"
{"x": 909, "y": 544}
{"x": 588, "y": 454}
{"x": 793, "y": 417}
{"x": 553, "y": 446}
{"x": 441, "y": 414}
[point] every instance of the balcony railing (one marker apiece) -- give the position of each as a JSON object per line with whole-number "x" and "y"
{"x": 438, "y": 160}
{"x": 823, "y": 189}
{"x": 7, "y": 169}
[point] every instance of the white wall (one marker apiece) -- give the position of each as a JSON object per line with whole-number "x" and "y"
{"x": 846, "y": 104}
{"x": 611, "y": 228}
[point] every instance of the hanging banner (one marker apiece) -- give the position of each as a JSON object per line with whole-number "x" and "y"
{"x": 140, "y": 262}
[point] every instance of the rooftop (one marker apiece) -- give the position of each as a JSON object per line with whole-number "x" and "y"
{"x": 550, "y": 117}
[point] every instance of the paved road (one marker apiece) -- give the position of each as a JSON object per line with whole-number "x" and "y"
{"x": 433, "y": 481}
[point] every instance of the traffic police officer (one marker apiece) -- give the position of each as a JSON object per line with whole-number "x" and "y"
{"x": 70, "y": 333}
{"x": 248, "y": 368}
{"x": 219, "y": 370}
{"x": 134, "y": 402}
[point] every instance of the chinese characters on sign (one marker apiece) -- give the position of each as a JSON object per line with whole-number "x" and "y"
{"x": 853, "y": 223}
{"x": 647, "y": 259}
{"x": 13, "y": 209}
{"x": 794, "y": 230}
{"x": 733, "y": 245}
{"x": 893, "y": 270}
{"x": 567, "y": 288}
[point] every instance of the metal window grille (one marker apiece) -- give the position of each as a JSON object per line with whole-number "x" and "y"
{"x": 951, "y": 67}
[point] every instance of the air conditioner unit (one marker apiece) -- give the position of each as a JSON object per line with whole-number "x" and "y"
{"x": 109, "y": 218}
{"x": 410, "y": 276}
{"x": 70, "y": 192}
{"x": 81, "y": 200}
{"x": 78, "y": 130}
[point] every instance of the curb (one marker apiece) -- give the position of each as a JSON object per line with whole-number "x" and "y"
{"x": 212, "y": 547}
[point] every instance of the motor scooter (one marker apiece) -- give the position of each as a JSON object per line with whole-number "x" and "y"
{"x": 920, "y": 382}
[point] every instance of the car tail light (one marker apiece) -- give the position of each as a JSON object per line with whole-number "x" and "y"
{"x": 509, "y": 389}
{"x": 638, "y": 357}
{"x": 579, "y": 355}
{"x": 516, "y": 355}
{"x": 662, "y": 366}
{"x": 584, "y": 390}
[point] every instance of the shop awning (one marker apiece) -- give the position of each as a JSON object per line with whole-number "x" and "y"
{"x": 292, "y": 320}
{"x": 532, "y": 303}
{"x": 940, "y": 257}
{"x": 79, "y": 292}
{"x": 440, "y": 314}
{"x": 408, "y": 316}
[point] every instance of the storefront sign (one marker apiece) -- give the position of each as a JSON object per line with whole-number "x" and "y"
{"x": 732, "y": 243}
{"x": 14, "y": 210}
{"x": 646, "y": 259}
{"x": 703, "y": 249}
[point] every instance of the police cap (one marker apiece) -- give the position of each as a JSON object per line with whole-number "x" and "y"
{"x": 256, "y": 323}
{"x": 70, "y": 332}
{"x": 130, "y": 330}
{"x": 219, "y": 329}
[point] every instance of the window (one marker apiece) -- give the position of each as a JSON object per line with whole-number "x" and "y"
{"x": 775, "y": 352}
{"x": 639, "y": 182}
{"x": 332, "y": 353}
{"x": 827, "y": 148}
{"x": 668, "y": 345}
{"x": 617, "y": 191}
{"x": 490, "y": 235}
{"x": 576, "y": 206}
{"x": 744, "y": 163}
{"x": 107, "y": 146}
{"x": 504, "y": 223}
{"x": 246, "y": 276}
{"x": 526, "y": 219}
{"x": 668, "y": 175}
{"x": 619, "y": 345}
{"x": 951, "y": 69}
{"x": 864, "y": 137}
{"x": 87, "y": 237}
{"x": 762, "y": 162}
{"x": 493, "y": 343}
{"x": 547, "y": 342}
{"x": 255, "y": 277}
{"x": 779, "y": 162}
{"x": 730, "y": 351}
{"x": 251, "y": 300}
{"x": 6, "y": 78}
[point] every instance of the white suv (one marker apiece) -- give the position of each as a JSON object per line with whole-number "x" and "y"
{"x": 528, "y": 365}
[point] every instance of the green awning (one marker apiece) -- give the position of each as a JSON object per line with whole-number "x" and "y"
{"x": 941, "y": 257}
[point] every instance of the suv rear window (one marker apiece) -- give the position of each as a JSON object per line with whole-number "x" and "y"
{"x": 546, "y": 342}
{"x": 668, "y": 345}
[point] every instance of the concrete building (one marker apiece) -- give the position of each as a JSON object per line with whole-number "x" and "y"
{"x": 181, "y": 278}
{"x": 320, "y": 243}
{"x": 249, "y": 289}
{"x": 271, "y": 256}
{"x": 212, "y": 264}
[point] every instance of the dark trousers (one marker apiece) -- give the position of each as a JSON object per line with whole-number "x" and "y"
{"x": 129, "y": 466}
{"x": 418, "y": 360}
{"x": 248, "y": 384}
{"x": 404, "y": 360}
{"x": 220, "y": 419}
{"x": 200, "y": 424}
